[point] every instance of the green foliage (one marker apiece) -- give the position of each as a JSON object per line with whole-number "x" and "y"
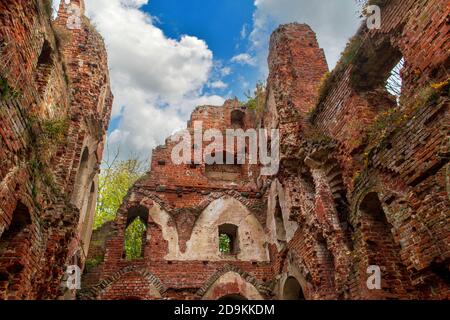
{"x": 6, "y": 92}
{"x": 92, "y": 263}
{"x": 350, "y": 51}
{"x": 325, "y": 86}
{"x": 316, "y": 136}
{"x": 55, "y": 130}
{"x": 330, "y": 78}
{"x": 114, "y": 182}
{"x": 133, "y": 239}
{"x": 48, "y": 7}
{"x": 224, "y": 244}
{"x": 257, "y": 100}
{"x": 395, "y": 119}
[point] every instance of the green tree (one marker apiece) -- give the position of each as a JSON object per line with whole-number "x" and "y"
{"x": 224, "y": 244}
{"x": 134, "y": 237}
{"x": 258, "y": 99}
{"x": 114, "y": 182}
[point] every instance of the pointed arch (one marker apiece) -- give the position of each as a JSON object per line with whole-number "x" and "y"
{"x": 204, "y": 241}
{"x": 281, "y": 228}
{"x": 135, "y": 232}
{"x": 96, "y": 291}
{"x": 245, "y": 284}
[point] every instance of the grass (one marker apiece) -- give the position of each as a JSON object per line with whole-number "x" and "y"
{"x": 55, "y": 130}
{"x": 330, "y": 78}
{"x": 93, "y": 262}
{"x": 47, "y": 136}
{"x": 48, "y": 7}
{"x": 6, "y": 91}
{"x": 394, "y": 119}
{"x": 257, "y": 101}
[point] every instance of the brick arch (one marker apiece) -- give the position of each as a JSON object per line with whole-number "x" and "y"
{"x": 97, "y": 290}
{"x": 149, "y": 199}
{"x": 243, "y": 199}
{"x": 16, "y": 243}
{"x": 371, "y": 187}
{"x": 334, "y": 236}
{"x": 332, "y": 174}
{"x": 262, "y": 289}
{"x": 184, "y": 220}
{"x": 204, "y": 240}
{"x": 159, "y": 220}
{"x": 377, "y": 241}
{"x": 300, "y": 266}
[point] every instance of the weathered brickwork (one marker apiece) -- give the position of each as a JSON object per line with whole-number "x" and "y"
{"x": 183, "y": 209}
{"x": 363, "y": 181}
{"x": 54, "y": 111}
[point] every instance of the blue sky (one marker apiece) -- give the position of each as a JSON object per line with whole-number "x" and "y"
{"x": 223, "y": 24}
{"x": 168, "y": 56}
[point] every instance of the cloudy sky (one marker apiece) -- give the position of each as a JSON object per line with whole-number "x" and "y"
{"x": 168, "y": 56}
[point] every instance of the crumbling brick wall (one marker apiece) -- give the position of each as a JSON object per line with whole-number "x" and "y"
{"x": 55, "y": 102}
{"x": 376, "y": 170}
{"x": 183, "y": 209}
{"x": 363, "y": 180}
{"x": 395, "y": 158}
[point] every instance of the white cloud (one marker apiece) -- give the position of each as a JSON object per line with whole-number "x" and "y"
{"x": 219, "y": 84}
{"x": 226, "y": 71}
{"x": 156, "y": 81}
{"x": 244, "y": 31}
{"x": 334, "y": 21}
{"x": 244, "y": 58}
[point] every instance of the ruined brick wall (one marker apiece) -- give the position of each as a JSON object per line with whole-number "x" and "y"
{"x": 363, "y": 181}
{"x": 394, "y": 159}
{"x": 371, "y": 175}
{"x": 55, "y": 101}
{"x": 183, "y": 209}
{"x": 300, "y": 199}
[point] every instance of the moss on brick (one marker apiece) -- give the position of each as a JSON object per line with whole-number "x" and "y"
{"x": 395, "y": 119}
{"x": 6, "y": 91}
{"x": 93, "y": 262}
{"x": 330, "y": 79}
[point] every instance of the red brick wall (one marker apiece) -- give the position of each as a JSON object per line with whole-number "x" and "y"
{"x": 42, "y": 130}
{"x": 332, "y": 157}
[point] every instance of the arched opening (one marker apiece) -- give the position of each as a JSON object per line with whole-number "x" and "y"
{"x": 135, "y": 233}
{"x": 45, "y": 56}
{"x": 379, "y": 243}
{"x": 44, "y": 66}
{"x": 84, "y": 158}
{"x": 394, "y": 82}
{"x": 247, "y": 234}
{"x": 228, "y": 239}
{"x": 15, "y": 238}
{"x": 82, "y": 179}
{"x": 237, "y": 119}
{"x": 20, "y": 220}
{"x": 279, "y": 222}
{"x": 292, "y": 290}
{"x": 232, "y": 297}
{"x": 88, "y": 218}
{"x": 230, "y": 285}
